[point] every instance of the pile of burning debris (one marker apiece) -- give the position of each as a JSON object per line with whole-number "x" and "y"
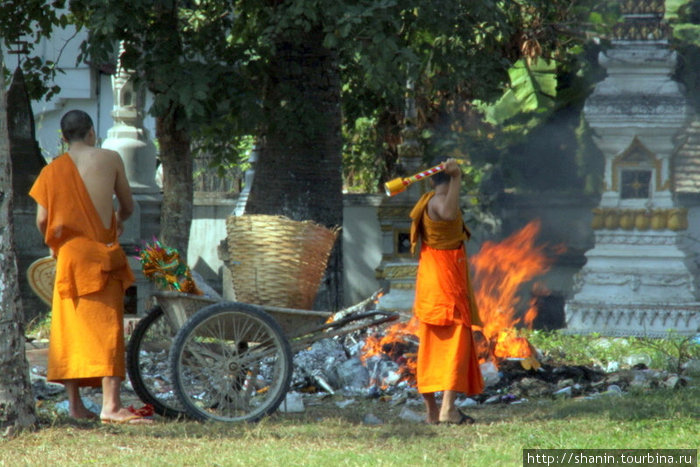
{"x": 381, "y": 362}
{"x": 341, "y": 366}
{"x": 381, "y": 365}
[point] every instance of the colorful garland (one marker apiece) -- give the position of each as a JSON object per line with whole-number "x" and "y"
{"x": 163, "y": 266}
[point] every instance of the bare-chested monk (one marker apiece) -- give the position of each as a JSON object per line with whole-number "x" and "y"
{"x": 75, "y": 214}
{"x": 444, "y": 302}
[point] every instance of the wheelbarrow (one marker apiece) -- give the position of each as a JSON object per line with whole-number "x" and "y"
{"x": 227, "y": 361}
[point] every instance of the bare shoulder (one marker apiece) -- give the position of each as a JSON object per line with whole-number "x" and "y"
{"x": 108, "y": 155}
{"x": 434, "y": 206}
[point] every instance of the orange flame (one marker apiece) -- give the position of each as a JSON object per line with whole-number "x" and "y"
{"x": 390, "y": 344}
{"x": 500, "y": 271}
{"x": 376, "y": 345}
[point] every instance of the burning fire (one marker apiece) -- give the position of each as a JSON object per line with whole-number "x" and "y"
{"x": 394, "y": 344}
{"x": 500, "y": 270}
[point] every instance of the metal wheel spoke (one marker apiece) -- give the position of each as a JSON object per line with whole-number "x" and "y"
{"x": 231, "y": 364}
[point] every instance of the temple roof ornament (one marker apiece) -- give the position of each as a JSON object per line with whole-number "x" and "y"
{"x": 643, "y": 21}
{"x": 397, "y": 269}
{"x": 642, "y": 7}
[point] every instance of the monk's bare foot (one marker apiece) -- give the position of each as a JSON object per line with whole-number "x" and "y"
{"x": 432, "y": 411}
{"x": 124, "y": 416}
{"x": 83, "y": 414}
{"x": 456, "y": 417}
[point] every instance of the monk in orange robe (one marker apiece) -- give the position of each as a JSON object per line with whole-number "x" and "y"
{"x": 75, "y": 214}
{"x": 444, "y": 302}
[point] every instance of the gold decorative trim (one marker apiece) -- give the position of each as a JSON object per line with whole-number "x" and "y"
{"x": 642, "y": 7}
{"x": 649, "y": 30}
{"x": 675, "y": 219}
{"x": 403, "y": 286}
{"x": 400, "y": 272}
{"x": 394, "y": 212}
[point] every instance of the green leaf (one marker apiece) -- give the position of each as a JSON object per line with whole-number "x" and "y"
{"x": 689, "y": 33}
{"x": 595, "y": 18}
{"x": 330, "y": 41}
{"x": 532, "y": 89}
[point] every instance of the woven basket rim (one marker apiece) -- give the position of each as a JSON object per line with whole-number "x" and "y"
{"x": 41, "y": 275}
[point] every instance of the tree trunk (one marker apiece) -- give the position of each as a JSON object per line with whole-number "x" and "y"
{"x": 176, "y": 213}
{"x": 172, "y": 132}
{"x": 299, "y": 169}
{"x": 16, "y": 397}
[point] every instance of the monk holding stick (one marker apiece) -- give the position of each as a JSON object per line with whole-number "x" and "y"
{"x": 76, "y": 216}
{"x": 444, "y": 303}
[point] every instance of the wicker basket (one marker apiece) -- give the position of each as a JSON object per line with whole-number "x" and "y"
{"x": 277, "y": 261}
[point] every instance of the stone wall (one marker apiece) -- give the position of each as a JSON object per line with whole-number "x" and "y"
{"x": 362, "y": 251}
{"x": 207, "y": 231}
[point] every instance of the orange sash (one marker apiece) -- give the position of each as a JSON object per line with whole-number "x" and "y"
{"x": 91, "y": 252}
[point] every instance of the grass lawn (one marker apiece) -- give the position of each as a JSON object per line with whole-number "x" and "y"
{"x": 327, "y": 435}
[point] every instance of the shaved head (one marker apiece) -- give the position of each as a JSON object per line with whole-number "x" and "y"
{"x": 75, "y": 125}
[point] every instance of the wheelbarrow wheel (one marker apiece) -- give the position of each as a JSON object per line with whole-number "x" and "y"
{"x": 231, "y": 362}
{"x": 147, "y": 363}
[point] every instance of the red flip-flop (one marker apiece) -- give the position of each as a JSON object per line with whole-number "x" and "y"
{"x": 145, "y": 411}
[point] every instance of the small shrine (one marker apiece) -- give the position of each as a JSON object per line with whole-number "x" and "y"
{"x": 131, "y": 140}
{"x": 640, "y": 277}
{"x": 398, "y": 268}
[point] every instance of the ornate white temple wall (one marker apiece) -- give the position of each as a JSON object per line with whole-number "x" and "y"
{"x": 640, "y": 277}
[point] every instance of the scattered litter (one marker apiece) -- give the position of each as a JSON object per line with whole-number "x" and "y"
{"x": 371, "y": 419}
{"x": 345, "y": 403}
{"x": 490, "y": 373}
{"x": 411, "y": 416}
{"x": 63, "y": 407}
{"x": 44, "y": 389}
{"x": 293, "y": 403}
{"x": 466, "y": 402}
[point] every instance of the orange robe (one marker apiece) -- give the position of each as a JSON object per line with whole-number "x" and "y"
{"x": 444, "y": 306}
{"x": 92, "y": 274}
